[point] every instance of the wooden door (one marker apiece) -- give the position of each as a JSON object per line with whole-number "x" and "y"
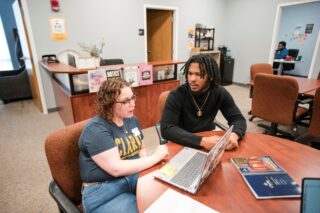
{"x": 159, "y": 35}
{"x": 24, "y": 38}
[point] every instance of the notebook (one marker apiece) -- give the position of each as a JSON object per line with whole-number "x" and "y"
{"x": 310, "y": 195}
{"x": 190, "y": 167}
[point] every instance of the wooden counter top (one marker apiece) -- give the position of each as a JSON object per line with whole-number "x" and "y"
{"x": 59, "y": 68}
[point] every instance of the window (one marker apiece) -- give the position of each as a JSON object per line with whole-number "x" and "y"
{"x": 5, "y": 58}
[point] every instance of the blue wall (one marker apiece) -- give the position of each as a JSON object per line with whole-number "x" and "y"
{"x": 9, "y": 23}
{"x": 292, "y": 30}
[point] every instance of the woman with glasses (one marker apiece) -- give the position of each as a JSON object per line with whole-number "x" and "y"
{"x": 112, "y": 151}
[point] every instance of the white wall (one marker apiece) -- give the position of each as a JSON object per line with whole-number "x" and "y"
{"x": 249, "y": 28}
{"x": 118, "y": 23}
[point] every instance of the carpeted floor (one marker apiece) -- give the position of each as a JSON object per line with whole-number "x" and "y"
{"x": 24, "y": 172}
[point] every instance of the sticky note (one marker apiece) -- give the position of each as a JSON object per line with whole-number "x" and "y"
{"x": 168, "y": 170}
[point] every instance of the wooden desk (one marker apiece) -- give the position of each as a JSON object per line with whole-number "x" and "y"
{"x": 281, "y": 62}
{"x": 307, "y": 86}
{"x": 226, "y": 191}
{"x": 310, "y": 94}
{"x": 76, "y": 106}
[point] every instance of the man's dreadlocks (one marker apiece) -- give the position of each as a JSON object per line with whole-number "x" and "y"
{"x": 207, "y": 66}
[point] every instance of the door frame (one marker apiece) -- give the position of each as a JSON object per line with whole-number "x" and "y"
{"x": 174, "y": 30}
{"x": 276, "y": 32}
{"x": 33, "y": 53}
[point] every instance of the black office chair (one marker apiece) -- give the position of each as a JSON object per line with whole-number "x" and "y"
{"x": 115, "y": 61}
{"x": 293, "y": 53}
{"x": 14, "y": 85}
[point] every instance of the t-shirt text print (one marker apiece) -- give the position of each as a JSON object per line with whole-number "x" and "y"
{"x": 129, "y": 145}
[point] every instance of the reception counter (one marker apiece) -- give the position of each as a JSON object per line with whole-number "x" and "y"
{"x": 75, "y": 103}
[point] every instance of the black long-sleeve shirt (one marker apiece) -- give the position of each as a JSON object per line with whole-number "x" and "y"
{"x": 179, "y": 119}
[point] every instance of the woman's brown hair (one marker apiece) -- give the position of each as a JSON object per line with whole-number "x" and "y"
{"x": 107, "y": 96}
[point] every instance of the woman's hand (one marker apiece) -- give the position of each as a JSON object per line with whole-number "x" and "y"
{"x": 161, "y": 152}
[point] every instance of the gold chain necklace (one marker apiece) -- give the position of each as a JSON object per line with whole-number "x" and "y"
{"x": 199, "y": 113}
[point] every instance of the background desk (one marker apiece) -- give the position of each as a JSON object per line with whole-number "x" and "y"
{"x": 281, "y": 62}
{"x": 226, "y": 191}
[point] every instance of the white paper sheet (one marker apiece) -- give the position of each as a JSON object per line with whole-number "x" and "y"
{"x": 172, "y": 201}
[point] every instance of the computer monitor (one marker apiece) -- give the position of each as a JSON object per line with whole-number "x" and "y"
{"x": 71, "y": 60}
{"x": 310, "y": 195}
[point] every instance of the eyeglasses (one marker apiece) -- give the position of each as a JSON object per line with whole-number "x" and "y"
{"x": 128, "y": 101}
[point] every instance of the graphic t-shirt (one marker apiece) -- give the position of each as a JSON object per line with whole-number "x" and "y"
{"x": 100, "y": 135}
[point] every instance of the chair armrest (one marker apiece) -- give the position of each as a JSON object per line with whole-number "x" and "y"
{"x": 220, "y": 125}
{"x": 161, "y": 139}
{"x": 64, "y": 203}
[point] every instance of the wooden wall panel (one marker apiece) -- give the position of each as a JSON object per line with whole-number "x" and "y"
{"x": 83, "y": 106}
{"x": 63, "y": 103}
{"x": 77, "y": 108}
{"x": 147, "y": 102}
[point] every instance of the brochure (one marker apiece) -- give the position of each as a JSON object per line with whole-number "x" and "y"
{"x": 265, "y": 178}
{"x": 95, "y": 79}
{"x": 131, "y": 75}
{"x": 113, "y": 74}
{"x": 145, "y": 74}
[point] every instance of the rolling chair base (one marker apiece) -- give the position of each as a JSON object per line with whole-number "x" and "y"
{"x": 274, "y": 131}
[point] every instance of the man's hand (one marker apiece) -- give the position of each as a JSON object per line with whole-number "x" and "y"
{"x": 233, "y": 141}
{"x": 209, "y": 142}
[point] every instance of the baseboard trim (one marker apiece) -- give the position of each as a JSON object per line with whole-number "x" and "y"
{"x": 55, "y": 109}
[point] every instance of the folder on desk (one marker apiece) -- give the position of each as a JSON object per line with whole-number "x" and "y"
{"x": 265, "y": 178}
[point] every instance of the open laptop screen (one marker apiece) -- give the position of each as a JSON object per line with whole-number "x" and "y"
{"x": 310, "y": 195}
{"x": 215, "y": 155}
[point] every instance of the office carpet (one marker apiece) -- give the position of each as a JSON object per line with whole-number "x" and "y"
{"x": 24, "y": 172}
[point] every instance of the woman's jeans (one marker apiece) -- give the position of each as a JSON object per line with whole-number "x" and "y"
{"x": 118, "y": 195}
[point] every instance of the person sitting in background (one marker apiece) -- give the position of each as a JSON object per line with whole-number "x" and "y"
{"x": 112, "y": 151}
{"x": 282, "y": 51}
{"x": 193, "y": 106}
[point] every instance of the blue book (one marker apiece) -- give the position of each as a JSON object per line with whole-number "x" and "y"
{"x": 266, "y": 178}
{"x": 274, "y": 185}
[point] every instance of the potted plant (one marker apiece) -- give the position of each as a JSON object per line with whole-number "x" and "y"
{"x": 94, "y": 50}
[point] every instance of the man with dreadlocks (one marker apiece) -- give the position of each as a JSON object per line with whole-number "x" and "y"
{"x": 193, "y": 106}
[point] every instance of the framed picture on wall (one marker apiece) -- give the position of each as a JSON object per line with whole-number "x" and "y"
{"x": 309, "y": 28}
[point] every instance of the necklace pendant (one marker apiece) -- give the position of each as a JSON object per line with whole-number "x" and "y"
{"x": 199, "y": 113}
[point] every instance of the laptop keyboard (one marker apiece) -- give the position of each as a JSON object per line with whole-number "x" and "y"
{"x": 190, "y": 171}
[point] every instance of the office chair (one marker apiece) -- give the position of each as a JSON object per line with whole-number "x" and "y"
{"x": 312, "y": 137}
{"x": 62, "y": 151}
{"x": 275, "y": 99}
{"x": 314, "y": 128}
{"x": 14, "y": 85}
{"x": 294, "y": 53}
{"x": 106, "y": 62}
{"x": 161, "y": 102}
{"x": 254, "y": 70}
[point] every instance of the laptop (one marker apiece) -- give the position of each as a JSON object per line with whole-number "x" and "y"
{"x": 190, "y": 167}
{"x": 310, "y": 195}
